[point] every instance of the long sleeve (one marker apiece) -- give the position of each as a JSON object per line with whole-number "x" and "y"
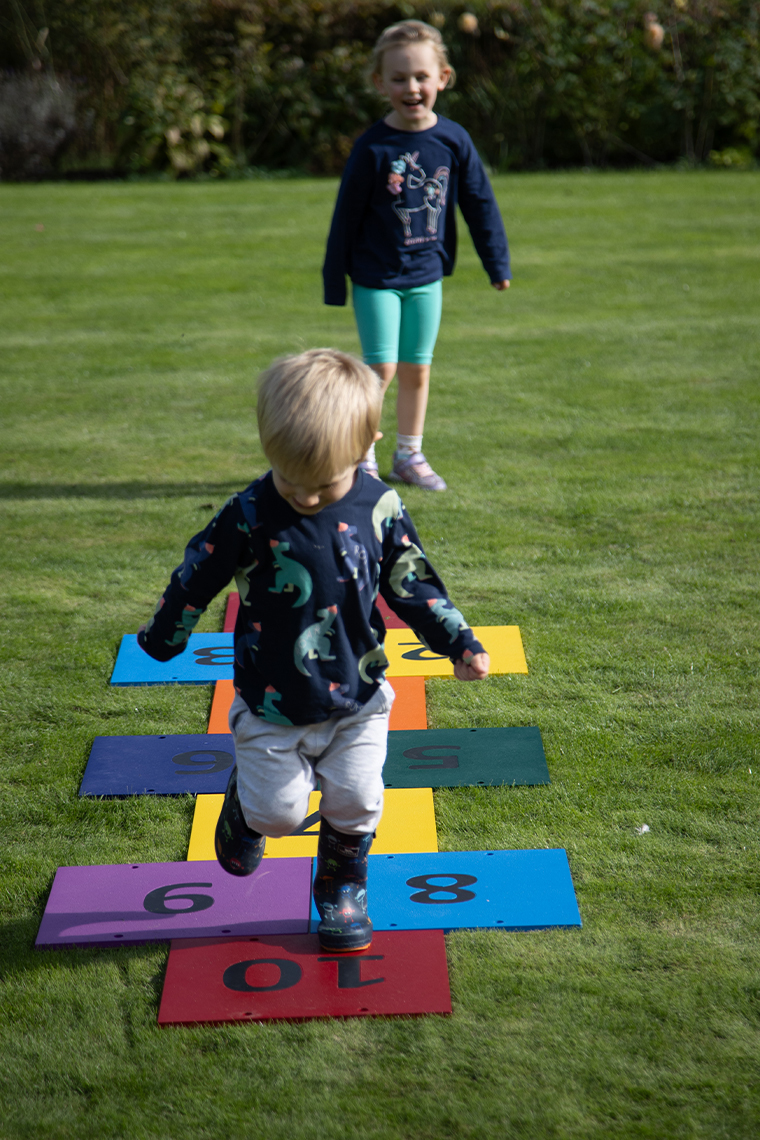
{"x": 413, "y": 590}
{"x": 481, "y": 212}
{"x": 210, "y": 561}
{"x": 353, "y": 198}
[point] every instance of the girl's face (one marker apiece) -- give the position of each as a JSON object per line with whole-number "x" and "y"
{"x": 411, "y": 79}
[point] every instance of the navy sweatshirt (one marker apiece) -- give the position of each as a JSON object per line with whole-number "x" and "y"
{"x": 394, "y": 225}
{"x": 308, "y": 638}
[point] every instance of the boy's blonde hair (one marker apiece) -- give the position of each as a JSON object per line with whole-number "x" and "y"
{"x": 318, "y": 413}
{"x": 411, "y": 32}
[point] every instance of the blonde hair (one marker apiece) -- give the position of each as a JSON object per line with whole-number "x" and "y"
{"x": 412, "y": 32}
{"x": 318, "y": 413}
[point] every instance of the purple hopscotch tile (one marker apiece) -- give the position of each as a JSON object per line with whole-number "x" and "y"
{"x": 151, "y": 902}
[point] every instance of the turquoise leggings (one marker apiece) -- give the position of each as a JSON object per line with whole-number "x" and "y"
{"x": 398, "y": 324}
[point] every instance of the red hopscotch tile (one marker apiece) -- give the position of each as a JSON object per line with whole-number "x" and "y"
{"x": 290, "y": 977}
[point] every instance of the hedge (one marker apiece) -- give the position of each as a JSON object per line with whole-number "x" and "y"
{"x": 220, "y": 86}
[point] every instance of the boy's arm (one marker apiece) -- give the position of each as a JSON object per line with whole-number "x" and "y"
{"x": 211, "y": 558}
{"x": 481, "y": 212}
{"x": 413, "y": 590}
{"x": 353, "y": 196}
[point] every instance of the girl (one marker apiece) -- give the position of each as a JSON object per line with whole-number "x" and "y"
{"x": 394, "y": 230}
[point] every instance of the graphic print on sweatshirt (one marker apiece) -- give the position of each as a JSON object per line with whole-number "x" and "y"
{"x": 415, "y": 193}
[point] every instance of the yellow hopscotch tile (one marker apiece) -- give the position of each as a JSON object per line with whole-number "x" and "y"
{"x": 408, "y": 825}
{"x": 408, "y": 657}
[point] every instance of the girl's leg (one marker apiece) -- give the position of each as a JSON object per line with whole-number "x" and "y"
{"x": 412, "y": 398}
{"x": 378, "y": 319}
{"x": 420, "y": 320}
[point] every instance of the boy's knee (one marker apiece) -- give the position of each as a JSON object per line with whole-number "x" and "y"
{"x": 276, "y": 825}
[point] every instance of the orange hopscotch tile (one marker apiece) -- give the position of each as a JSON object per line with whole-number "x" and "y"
{"x": 408, "y": 708}
{"x": 224, "y": 695}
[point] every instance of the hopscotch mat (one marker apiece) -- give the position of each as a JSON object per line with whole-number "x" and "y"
{"x": 262, "y": 978}
{"x": 408, "y": 711}
{"x": 432, "y": 758}
{"x": 209, "y": 657}
{"x": 408, "y": 824}
{"x": 449, "y": 890}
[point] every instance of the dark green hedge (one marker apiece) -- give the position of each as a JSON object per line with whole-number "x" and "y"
{"x": 220, "y": 85}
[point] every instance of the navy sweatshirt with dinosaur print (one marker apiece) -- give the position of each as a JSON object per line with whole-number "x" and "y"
{"x": 309, "y": 637}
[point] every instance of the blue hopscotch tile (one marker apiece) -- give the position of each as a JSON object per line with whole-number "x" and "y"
{"x": 208, "y": 658}
{"x": 456, "y": 890}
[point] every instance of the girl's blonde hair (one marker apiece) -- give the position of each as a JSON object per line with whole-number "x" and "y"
{"x": 411, "y": 32}
{"x": 318, "y": 413}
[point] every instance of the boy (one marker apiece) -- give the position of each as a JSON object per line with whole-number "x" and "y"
{"x": 310, "y": 544}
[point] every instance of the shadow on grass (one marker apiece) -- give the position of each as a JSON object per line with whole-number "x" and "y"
{"x": 132, "y": 490}
{"x": 19, "y": 955}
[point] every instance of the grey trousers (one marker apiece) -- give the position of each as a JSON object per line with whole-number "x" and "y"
{"x": 279, "y": 765}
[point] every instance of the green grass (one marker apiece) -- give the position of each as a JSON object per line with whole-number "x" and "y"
{"x": 598, "y": 426}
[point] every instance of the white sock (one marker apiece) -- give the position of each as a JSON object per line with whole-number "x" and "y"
{"x": 407, "y": 445}
{"x": 370, "y": 456}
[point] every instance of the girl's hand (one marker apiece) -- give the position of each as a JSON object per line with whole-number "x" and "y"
{"x": 473, "y": 667}
{"x": 500, "y": 285}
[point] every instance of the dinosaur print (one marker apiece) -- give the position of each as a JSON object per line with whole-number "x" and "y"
{"x": 374, "y": 657}
{"x": 290, "y": 574}
{"x": 194, "y": 556}
{"x": 190, "y": 618}
{"x": 313, "y": 642}
{"x": 267, "y": 711}
{"x": 453, "y": 622}
{"x": 409, "y": 566}
{"x": 341, "y": 702}
{"x": 354, "y": 557}
{"x": 248, "y": 642}
{"x": 248, "y": 506}
{"x": 242, "y": 582}
{"x": 387, "y": 509}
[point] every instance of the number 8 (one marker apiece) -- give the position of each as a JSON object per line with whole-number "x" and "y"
{"x": 454, "y": 889}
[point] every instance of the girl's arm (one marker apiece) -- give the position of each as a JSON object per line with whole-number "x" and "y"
{"x": 481, "y": 212}
{"x": 353, "y": 199}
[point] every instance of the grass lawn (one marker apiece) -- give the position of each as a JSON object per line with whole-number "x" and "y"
{"x": 598, "y": 427}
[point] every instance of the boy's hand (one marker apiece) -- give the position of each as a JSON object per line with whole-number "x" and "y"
{"x": 500, "y": 285}
{"x": 473, "y": 667}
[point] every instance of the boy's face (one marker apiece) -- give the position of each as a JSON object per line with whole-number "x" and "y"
{"x": 411, "y": 78}
{"x": 310, "y": 498}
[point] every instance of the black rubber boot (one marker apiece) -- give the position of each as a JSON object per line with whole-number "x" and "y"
{"x": 239, "y": 849}
{"x": 340, "y": 890}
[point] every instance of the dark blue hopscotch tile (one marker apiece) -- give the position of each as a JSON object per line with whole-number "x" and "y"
{"x": 201, "y": 763}
{"x": 459, "y": 890}
{"x": 462, "y": 757}
{"x": 209, "y": 659}
{"x": 158, "y": 765}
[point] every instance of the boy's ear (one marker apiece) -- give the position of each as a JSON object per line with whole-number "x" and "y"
{"x": 378, "y": 82}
